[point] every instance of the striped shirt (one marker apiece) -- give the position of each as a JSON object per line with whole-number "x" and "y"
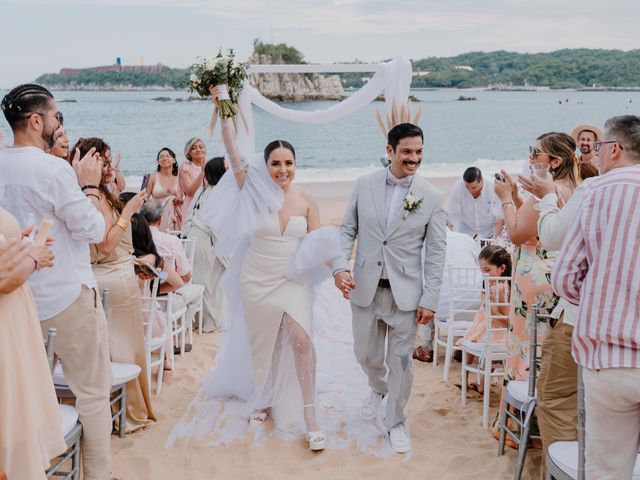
{"x": 599, "y": 269}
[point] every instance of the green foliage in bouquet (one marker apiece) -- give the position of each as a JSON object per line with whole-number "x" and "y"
{"x": 219, "y": 70}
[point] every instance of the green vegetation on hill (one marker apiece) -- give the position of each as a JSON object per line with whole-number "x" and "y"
{"x": 560, "y": 69}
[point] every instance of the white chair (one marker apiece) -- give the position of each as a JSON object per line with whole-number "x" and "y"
{"x": 71, "y": 428}
{"x": 565, "y": 460}
{"x": 464, "y": 290}
{"x": 152, "y": 344}
{"x": 121, "y": 374}
{"x": 488, "y": 351}
{"x": 521, "y": 396}
{"x": 175, "y": 314}
{"x": 189, "y": 246}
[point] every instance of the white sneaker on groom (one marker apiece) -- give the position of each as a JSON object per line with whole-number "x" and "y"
{"x": 399, "y": 437}
{"x": 369, "y": 408}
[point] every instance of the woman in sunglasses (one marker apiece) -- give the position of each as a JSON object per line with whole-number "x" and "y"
{"x": 553, "y": 154}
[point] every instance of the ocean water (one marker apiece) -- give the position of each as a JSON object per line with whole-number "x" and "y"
{"x": 493, "y": 132}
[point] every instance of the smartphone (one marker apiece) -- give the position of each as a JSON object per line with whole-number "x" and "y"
{"x": 43, "y": 231}
{"x": 145, "y": 181}
{"x": 499, "y": 177}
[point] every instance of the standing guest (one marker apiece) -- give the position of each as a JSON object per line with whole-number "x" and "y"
{"x": 392, "y": 289}
{"x": 38, "y": 184}
{"x": 207, "y": 268}
{"x": 165, "y": 187}
{"x": 191, "y": 173}
{"x": 170, "y": 245}
{"x": 112, "y": 263}
{"x": 31, "y": 430}
{"x": 585, "y": 135}
{"x": 597, "y": 270}
{"x": 474, "y": 208}
{"x": 557, "y": 384}
{"x": 61, "y": 147}
{"x": 532, "y": 265}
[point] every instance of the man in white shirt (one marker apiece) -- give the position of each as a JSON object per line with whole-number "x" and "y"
{"x": 462, "y": 251}
{"x": 473, "y": 207}
{"x": 35, "y": 185}
{"x": 171, "y": 245}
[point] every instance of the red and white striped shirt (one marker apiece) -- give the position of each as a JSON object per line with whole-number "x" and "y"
{"x": 599, "y": 269}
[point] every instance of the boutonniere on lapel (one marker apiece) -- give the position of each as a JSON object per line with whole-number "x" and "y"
{"x": 411, "y": 204}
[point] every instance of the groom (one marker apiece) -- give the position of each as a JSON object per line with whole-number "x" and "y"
{"x": 394, "y": 214}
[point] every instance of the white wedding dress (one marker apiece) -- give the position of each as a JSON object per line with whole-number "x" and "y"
{"x": 278, "y": 286}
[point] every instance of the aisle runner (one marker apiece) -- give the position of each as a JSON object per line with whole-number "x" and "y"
{"x": 341, "y": 388}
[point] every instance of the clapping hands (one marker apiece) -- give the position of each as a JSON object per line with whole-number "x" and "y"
{"x": 88, "y": 168}
{"x": 539, "y": 187}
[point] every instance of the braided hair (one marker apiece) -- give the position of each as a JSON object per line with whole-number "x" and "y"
{"x": 21, "y": 101}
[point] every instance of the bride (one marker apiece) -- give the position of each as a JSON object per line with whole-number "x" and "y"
{"x": 271, "y": 227}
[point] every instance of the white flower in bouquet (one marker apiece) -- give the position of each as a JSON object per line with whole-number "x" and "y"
{"x": 194, "y": 78}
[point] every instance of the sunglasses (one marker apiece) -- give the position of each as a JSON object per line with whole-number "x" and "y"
{"x": 534, "y": 152}
{"x": 598, "y": 144}
{"x": 58, "y": 116}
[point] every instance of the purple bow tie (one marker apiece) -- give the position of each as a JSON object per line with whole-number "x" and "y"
{"x": 403, "y": 182}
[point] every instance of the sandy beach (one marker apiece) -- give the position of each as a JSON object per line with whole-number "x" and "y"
{"x": 448, "y": 439}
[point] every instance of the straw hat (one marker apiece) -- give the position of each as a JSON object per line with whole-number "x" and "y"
{"x": 588, "y": 127}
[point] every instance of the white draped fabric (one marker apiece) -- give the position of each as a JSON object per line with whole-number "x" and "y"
{"x": 392, "y": 78}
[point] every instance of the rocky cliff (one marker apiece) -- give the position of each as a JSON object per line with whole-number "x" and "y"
{"x": 295, "y": 87}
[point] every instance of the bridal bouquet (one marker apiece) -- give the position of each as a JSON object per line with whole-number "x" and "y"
{"x": 222, "y": 71}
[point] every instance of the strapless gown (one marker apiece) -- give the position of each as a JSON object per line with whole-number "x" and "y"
{"x": 267, "y": 295}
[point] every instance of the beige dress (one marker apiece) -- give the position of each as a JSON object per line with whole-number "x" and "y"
{"x": 267, "y": 295}
{"x": 171, "y": 214}
{"x": 124, "y": 318}
{"x": 30, "y": 424}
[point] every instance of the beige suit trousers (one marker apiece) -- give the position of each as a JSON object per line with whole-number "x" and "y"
{"x": 612, "y": 403}
{"x": 83, "y": 347}
{"x": 380, "y": 325}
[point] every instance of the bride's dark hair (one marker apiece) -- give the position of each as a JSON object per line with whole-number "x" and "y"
{"x": 275, "y": 145}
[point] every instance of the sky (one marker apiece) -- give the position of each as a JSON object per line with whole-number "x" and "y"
{"x": 43, "y": 36}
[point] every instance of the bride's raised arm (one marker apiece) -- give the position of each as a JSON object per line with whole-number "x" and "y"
{"x": 238, "y": 161}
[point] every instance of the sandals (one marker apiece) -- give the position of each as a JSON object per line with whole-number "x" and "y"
{"x": 258, "y": 417}
{"x": 316, "y": 440}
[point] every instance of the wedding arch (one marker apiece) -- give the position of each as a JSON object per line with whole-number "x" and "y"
{"x": 393, "y": 79}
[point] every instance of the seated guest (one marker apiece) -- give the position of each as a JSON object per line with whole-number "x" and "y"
{"x": 473, "y": 206}
{"x": 495, "y": 261}
{"x": 144, "y": 249}
{"x": 112, "y": 264}
{"x": 170, "y": 245}
{"x": 31, "y": 431}
{"x": 38, "y": 184}
{"x": 207, "y": 268}
{"x": 165, "y": 187}
{"x": 462, "y": 251}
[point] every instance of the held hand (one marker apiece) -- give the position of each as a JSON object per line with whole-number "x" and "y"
{"x": 215, "y": 93}
{"x": 424, "y": 316}
{"x": 43, "y": 255}
{"x": 344, "y": 282}
{"x": 537, "y": 186}
{"x": 88, "y": 168}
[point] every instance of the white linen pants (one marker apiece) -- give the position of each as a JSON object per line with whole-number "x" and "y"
{"x": 381, "y": 327}
{"x": 612, "y": 402}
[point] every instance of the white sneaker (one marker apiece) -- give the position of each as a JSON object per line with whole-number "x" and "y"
{"x": 370, "y": 406}
{"x": 400, "y": 441}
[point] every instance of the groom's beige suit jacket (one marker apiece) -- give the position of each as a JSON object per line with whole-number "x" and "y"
{"x": 415, "y": 278}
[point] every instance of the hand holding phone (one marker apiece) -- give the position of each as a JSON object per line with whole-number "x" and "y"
{"x": 145, "y": 182}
